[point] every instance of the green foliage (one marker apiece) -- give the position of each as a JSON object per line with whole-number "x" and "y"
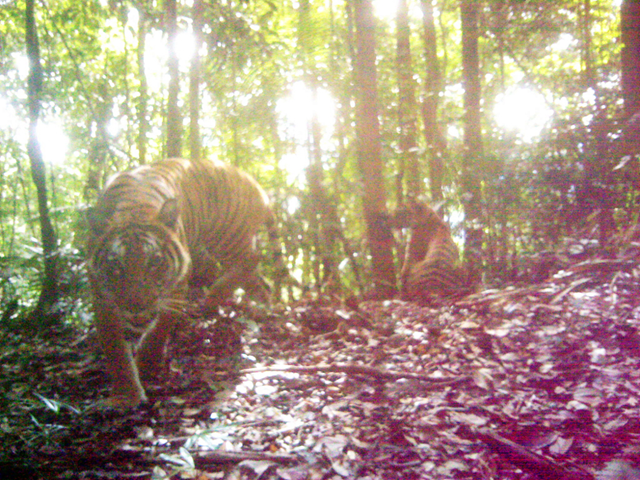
{"x": 536, "y": 190}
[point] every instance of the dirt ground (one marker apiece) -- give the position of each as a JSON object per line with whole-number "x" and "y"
{"x": 528, "y": 382}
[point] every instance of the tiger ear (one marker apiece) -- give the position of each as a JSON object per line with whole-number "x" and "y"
{"x": 169, "y": 213}
{"x": 97, "y": 221}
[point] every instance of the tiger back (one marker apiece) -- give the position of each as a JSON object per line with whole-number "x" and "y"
{"x": 157, "y": 232}
{"x": 431, "y": 265}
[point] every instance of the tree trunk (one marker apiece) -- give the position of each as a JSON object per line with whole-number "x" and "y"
{"x": 326, "y": 217}
{"x": 195, "y": 147}
{"x": 368, "y": 150}
{"x": 98, "y": 152}
{"x": 629, "y": 143}
{"x": 143, "y": 98}
{"x": 472, "y": 154}
{"x": 47, "y": 311}
{"x": 432, "y": 134}
{"x": 174, "y": 121}
{"x": 596, "y": 170}
{"x": 323, "y": 217}
{"x": 630, "y": 32}
{"x": 588, "y": 71}
{"x": 407, "y": 108}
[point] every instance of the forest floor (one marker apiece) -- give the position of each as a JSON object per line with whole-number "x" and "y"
{"x": 541, "y": 381}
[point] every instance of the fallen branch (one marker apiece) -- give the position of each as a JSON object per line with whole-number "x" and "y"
{"x": 558, "y": 297}
{"x": 202, "y": 459}
{"x": 529, "y": 461}
{"x": 354, "y": 369}
{"x": 603, "y": 264}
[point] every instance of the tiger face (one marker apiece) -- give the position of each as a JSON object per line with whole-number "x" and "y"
{"x": 138, "y": 266}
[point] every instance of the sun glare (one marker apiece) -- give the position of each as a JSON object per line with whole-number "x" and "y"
{"x": 565, "y": 40}
{"x": 385, "y": 9}
{"x": 523, "y": 111}
{"x": 185, "y": 46}
{"x": 296, "y": 112}
{"x": 53, "y": 143}
{"x": 21, "y": 63}
{"x": 9, "y": 118}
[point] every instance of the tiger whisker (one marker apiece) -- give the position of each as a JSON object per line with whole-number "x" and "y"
{"x": 174, "y": 305}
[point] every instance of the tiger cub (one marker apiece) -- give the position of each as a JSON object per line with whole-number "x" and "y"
{"x": 431, "y": 265}
{"x": 156, "y": 231}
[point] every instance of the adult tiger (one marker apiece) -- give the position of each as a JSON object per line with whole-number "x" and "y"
{"x": 155, "y": 231}
{"x": 431, "y": 264}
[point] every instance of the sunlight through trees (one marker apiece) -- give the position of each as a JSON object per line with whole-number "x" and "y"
{"x": 276, "y": 95}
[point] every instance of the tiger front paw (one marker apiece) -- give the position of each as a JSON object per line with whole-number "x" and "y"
{"x": 124, "y": 396}
{"x": 121, "y": 401}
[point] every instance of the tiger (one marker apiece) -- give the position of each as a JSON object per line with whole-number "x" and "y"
{"x": 431, "y": 267}
{"x": 156, "y": 233}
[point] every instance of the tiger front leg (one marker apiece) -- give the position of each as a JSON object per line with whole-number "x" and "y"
{"x": 404, "y": 282}
{"x": 127, "y": 390}
{"x": 150, "y": 352}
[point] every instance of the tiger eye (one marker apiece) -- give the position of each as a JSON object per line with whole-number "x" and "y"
{"x": 155, "y": 261}
{"x": 113, "y": 267}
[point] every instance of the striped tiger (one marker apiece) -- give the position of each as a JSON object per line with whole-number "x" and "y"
{"x": 157, "y": 232}
{"x": 431, "y": 265}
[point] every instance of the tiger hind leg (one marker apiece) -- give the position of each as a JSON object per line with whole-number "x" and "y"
{"x": 257, "y": 288}
{"x": 242, "y": 273}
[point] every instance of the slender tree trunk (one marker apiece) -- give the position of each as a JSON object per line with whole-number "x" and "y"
{"x": 143, "y": 97}
{"x": 586, "y": 42}
{"x": 595, "y": 169}
{"x": 195, "y": 147}
{"x": 472, "y": 156}
{"x": 323, "y": 217}
{"x": 500, "y": 17}
{"x": 174, "y": 120}
{"x": 98, "y": 151}
{"x": 46, "y": 311}
{"x": 234, "y": 111}
{"x": 369, "y": 157}
{"x": 343, "y": 121}
{"x": 432, "y": 134}
{"x": 326, "y": 217}
{"x": 630, "y": 32}
{"x": 407, "y": 107}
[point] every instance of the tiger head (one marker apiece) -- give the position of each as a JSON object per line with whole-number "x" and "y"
{"x": 417, "y": 214}
{"x": 136, "y": 264}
